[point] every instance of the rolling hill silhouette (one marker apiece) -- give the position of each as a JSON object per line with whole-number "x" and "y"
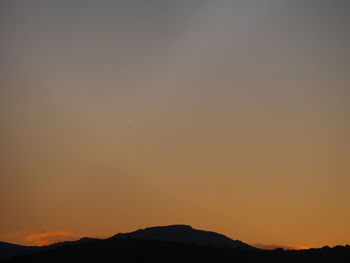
{"x": 183, "y": 234}
{"x": 8, "y": 250}
{"x": 176, "y": 243}
{"x": 173, "y": 233}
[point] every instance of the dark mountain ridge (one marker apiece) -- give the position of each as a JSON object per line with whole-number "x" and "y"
{"x": 8, "y": 250}
{"x": 177, "y": 243}
{"x": 183, "y": 234}
{"x": 173, "y": 233}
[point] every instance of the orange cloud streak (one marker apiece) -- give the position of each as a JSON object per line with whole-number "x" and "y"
{"x": 48, "y": 238}
{"x": 271, "y": 247}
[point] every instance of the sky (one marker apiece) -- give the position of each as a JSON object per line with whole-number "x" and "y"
{"x": 230, "y": 116}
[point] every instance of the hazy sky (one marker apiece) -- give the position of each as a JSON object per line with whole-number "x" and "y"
{"x": 231, "y": 116}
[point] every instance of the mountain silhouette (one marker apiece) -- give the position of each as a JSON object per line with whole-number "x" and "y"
{"x": 173, "y": 233}
{"x": 8, "y": 250}
{"x": 183, "y": 234}
{"x": 176, "y": 243}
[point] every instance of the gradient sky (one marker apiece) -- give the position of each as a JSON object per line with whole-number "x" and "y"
{"x": 231, "y": 116}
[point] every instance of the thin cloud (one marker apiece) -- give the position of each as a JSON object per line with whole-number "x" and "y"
{"x": 48, "y": 238}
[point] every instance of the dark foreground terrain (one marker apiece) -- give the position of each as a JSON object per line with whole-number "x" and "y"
{"x": 172, "y": 244}
{"x": 133, "y": 250}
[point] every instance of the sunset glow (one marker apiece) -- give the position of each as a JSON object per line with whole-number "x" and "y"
{"x": 230, "y": 116}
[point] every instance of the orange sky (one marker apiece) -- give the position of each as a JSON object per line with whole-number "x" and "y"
{"x": 227, "y": 116}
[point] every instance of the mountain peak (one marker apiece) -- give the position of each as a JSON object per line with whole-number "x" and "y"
{"x": 183, "y": 234}
{"x": 170, "y": 227}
